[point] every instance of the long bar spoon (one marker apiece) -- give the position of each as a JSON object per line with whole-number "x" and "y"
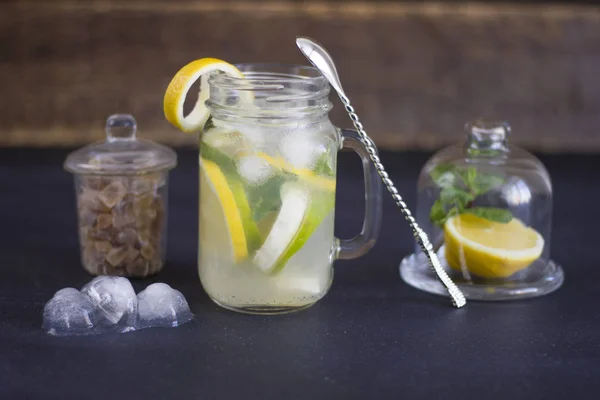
{"x": 322, "y": 61}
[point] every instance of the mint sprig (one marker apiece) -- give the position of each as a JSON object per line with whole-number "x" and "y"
{"x": 460, "y": 186}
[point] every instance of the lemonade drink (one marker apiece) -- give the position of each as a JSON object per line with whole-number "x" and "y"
{"x": 266, "y": 215}
{"x": 267, "y": 182}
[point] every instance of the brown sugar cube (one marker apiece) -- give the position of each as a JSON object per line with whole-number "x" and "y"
{"x": 89, "y": 199}
{"x": 132, "y": 254}
{"x": 84, "y": 232}
{"x": 147, "y": 252}
{"x": 155, "y": 266}
{"x": 112, "y": 194}
{"x": 108, "y": 269}
{"x": 127, "y": 236}
{"x": 102, "y": 246}
{"x": 142, "y": 203}
{"x": 98, "y": 234}
{"x": 92, "y": 261}
{"x": 87, "y": 218}
{"x": 123, "y": 216}
{"x": 145, "y": 235}
{"x": 95, "y": 182}
{"x": 139, "y": 267}
{"x": 103, "y": 221}
{"x": 116, "y": 256}
{"x": 143, "y": 185}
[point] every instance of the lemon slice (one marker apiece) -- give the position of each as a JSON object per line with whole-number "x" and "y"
{"x": 225, "y": 201}
{"x": 490, "y": 249}
{"x": 180, "y": 86}
{"x": 301, "y": 213}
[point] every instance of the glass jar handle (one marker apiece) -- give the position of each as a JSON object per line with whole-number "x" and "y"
{"x": 364, "y": 241}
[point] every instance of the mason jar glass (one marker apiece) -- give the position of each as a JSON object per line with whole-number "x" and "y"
{"x": 267, "y": 190}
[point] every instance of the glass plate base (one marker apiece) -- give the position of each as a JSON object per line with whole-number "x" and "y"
{"x": 541, "y": 279}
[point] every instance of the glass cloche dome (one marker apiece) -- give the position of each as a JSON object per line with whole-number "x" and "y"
{"x": 487, "y": 208}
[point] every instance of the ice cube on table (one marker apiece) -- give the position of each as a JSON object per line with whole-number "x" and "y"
{"x": 255, "y": 170}
{"x": 162, "y": 306}
{"x": 301, "y": 150}
{"x": 115, "y": 300}
{"x": 69, "y": 312}
{"x": 66, "y": 291}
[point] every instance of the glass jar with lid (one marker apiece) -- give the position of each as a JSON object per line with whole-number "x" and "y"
{"x": 487, "y": 207}
{"x": 121, "y": 189}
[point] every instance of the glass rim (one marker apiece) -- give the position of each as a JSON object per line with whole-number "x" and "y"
{"x": 277, "y": 72}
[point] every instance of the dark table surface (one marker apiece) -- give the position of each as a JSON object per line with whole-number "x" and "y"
{"x": 372, "y": 336}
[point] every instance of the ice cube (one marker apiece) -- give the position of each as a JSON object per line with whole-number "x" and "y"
{"x": 69, "y": 312}
{"x": 162, "y": 306}
{"x": 254, "y": 134}
{"x": 66, "y": 291}
{"x": 255, "y": 170}
{"x": 302, "y": 150}
{"x": 116, "y": 301}
{"x": 228, "y": 140}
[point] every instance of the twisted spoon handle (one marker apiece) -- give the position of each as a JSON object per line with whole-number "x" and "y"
{"x": 458, "y": 299}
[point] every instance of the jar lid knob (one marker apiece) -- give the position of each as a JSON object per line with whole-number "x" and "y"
{"x": 487, "y": 134}
{"x": 120, "y": 127}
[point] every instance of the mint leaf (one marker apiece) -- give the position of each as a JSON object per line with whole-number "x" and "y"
{"x": 444, "y": 175}
{"x": 322, "y": 166}
{"x": 215, "y": 155}
{"x": 455, "y": 197}
{"x": 485, "y": 182}
{"x": 460, "y": 186}
{"x": 491, "y": 213}
{"x": 437, "y": 214}
{"x": 209, "y": 124}
{"x": 265, "y": 198}
{"x": 471, "y": 175}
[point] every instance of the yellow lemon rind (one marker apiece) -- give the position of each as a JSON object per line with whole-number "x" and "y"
{"x": 216, "y": 179}
{"x": 485, "y": 261}
{"x": 181, "y": 84}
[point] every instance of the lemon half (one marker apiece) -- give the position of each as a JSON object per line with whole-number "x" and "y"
{"x": 182, "y": 83}
{"x": 490, "y": 249}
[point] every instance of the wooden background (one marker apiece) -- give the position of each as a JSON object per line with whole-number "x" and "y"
{"x": 415, "y": 71}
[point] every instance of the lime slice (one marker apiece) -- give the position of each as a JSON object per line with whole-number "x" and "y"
{"x": 302, "y": 211}
{"x": 225, "y": 201}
